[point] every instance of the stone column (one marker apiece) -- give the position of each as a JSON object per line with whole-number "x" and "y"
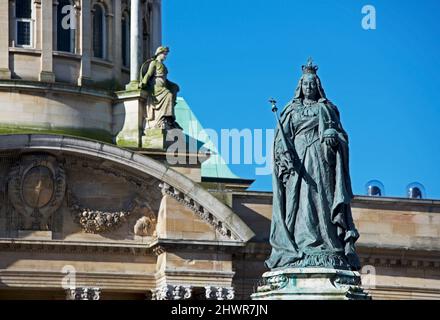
{"x": 135, "y": 44}
{"x": 5, "y": 73}
{"x": 110, "y": 36}
{"x": 54, "y": 25}
{"x": 85, "y": 39}
{"x": 46, "y": 71}
{"x": 117, "y": 42}
{"x": 156, "y": 40}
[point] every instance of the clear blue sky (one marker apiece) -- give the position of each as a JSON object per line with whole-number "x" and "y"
{"x": 230, "y": 56}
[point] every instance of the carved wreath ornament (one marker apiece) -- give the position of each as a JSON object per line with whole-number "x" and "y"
{"x": 95, "y": 221}
{"x": 98, "y": 221}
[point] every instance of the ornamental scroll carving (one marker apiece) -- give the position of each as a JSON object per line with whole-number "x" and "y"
{"x": 36, "y": 189}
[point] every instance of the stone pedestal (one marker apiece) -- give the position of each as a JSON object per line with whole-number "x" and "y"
{"x": 154, "y": 139}
{"x": 161, "y": 139}
{"x": 310, "y": 284}
{"x": 128, "y": 118}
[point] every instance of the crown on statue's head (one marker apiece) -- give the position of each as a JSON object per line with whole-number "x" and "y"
{"x": 309, "y": 67}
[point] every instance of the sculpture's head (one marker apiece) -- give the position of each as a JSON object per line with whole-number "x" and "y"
{"x": 309, "y": 85}
{"x": 161, "y": 53}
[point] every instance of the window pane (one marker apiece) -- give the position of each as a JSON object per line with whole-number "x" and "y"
{"x": 98, "y": 32}
{"x": 23, "y": 8}
{"x": 63, "y": 35}
{"x": 23, "y": 33}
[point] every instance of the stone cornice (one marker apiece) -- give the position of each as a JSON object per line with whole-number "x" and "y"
{"x": 23, "y": 85}
{"x": 358, "y": 199}
{"x": 159, "y": 246}
{"x": 75, "y": 247}
{"x": 393, "y": 201}
{"x": 51, "y": 279}
{"x": 368, "y": 254}
{"x": 153, "y": 247}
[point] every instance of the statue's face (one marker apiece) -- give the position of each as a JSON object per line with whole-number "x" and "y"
{"x": 162, "y": 56}
{"x": 309, "y": 86}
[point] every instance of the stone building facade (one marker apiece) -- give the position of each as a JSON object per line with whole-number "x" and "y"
{"x": 88, "y": 211}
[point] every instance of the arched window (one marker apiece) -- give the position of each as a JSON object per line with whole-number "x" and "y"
{"x": 23, "y": 23}
{"x": 66, "y": 26}
{"x": 99, "y": 28}
{"x": 125, "y": 39}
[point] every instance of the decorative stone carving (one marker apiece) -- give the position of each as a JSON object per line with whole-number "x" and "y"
{"x": 197, "y": 208}
{"x": 36, "y": 189}
{"x": 84, "y": 294}
{"x": 145, "y": 226}
{"x": 311, "y": 283}
{"x": 97, "y": 221}
{"x": 170, "y": 292}
{"x": 219, "y": 293}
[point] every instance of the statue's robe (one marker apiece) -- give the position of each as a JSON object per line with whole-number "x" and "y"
{"x": 162, "y": 95}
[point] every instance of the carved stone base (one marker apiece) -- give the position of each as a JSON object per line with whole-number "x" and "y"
{"x": 154, "y": 139}
{"x": 310, "y": 284}
{"x": 161, "y": 139}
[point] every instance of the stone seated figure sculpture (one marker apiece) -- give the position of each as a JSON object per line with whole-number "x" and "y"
{"x": 162, "y": 93}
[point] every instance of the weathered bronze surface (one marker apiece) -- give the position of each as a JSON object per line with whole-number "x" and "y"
{"x": 312, "y": 224}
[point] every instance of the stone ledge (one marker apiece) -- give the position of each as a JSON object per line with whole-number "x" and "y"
{"x": 15, "y": 84}
{"x": 107, "y": 280}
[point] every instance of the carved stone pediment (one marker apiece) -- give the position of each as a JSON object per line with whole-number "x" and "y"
{"x": 106, "y": 181}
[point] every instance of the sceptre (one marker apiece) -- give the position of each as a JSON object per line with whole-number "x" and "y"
{"x": 273, "y": 102}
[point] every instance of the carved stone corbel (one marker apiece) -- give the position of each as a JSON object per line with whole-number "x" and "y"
{"x": 219, "y": 293}
{"x": 172, "y": 292}
{"x": 84, "y": 294}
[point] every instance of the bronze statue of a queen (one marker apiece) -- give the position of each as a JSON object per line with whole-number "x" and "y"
{"x": 312, "y": 224}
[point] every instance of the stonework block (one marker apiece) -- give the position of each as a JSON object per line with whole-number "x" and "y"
{"x": 5, "y": 74}
{"x": 35, "y": 235}
{"x": 404, "y": 229}
{"x": 427, "y": 230}
{"x": 180, "y": 222}
{"x": 154, "y": 139}
{"x": 373, "y": 227}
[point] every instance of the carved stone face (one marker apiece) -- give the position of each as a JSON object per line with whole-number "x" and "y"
{"x": 309, "y": 86}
